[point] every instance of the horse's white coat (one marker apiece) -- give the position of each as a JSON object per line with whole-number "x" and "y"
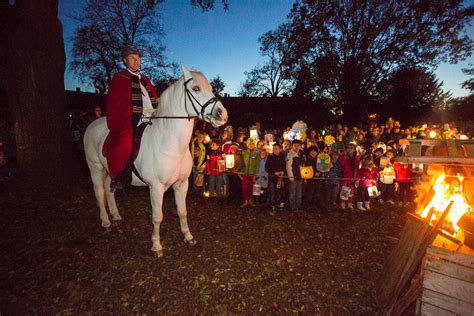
{"x": 164, "y": 159}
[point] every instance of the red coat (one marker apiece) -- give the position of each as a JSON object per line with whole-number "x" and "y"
{"x": 119, "y": 116}
{"x": 212, "y": 163}
{"x": 368, "y": 177}
{"x": 404, "y": 173}
{"x": 347, "y": 170}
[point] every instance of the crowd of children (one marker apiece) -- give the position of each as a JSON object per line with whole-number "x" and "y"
{"x": 299, "y": 168}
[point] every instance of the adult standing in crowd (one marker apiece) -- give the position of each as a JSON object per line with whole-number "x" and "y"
{"x": 129, "y": 92}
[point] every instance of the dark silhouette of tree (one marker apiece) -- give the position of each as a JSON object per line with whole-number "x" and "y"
{"x": 347, "y": 47}
{"x": 469, "y": 84}
{"x": 207, "y": 5}
{"x": 411, "y": 94}
{"x": 217, "y": 85}
{"x": 463, "y": 108}
{"x": 272, "y": 78}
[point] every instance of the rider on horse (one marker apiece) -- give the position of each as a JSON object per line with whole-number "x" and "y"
{"x": 129, "y": 92}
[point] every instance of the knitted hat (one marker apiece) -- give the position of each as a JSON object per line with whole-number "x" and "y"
{"x": 129, "y": 50}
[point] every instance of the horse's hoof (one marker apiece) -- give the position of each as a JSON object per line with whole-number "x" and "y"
{"x": 160, "y": 253}
{"x": 117, "y": 218}
{"x": 108, "y": 229}
{"x": 191, "y": 242}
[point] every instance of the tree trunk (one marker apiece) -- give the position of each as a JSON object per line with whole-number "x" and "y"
{"x": 32, "y": 60}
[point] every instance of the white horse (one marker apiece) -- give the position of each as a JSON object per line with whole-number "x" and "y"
{"x": 164, "y": 159}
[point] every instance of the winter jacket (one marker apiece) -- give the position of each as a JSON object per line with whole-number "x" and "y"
{"x": 251, "y": 159}
{"x": 198, "y": 153}
{"x": 293, "y": 164}
{"x": 349, "y": 170}
{"x": 275, "y": 164}
{"x": 404, "y": 172}
{"x": 212, "y": 162}
{"x": 262, "y": 178}
{"x": 368, "y": 177}
{"x": 334, "y": 173}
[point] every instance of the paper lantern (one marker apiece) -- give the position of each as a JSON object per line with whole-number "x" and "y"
{"x": 323, "y": 162}
{"x": 306, "y": 172}
{"x": 221, "y": 165}
{"x": 257, "y": 190}
{"x": 254, "y": 134}
{"x": 229, "y": 161}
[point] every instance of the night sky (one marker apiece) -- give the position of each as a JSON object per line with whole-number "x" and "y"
{"x": 225, "y": 43}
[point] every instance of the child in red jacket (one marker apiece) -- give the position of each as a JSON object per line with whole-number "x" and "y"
{"x": 350, "y": 167}
{"x": 368, "y": 176}
{"x": 216, "y": 177}
{"x": 405, "y": 179}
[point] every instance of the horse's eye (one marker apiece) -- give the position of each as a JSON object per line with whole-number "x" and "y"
{"x": 196, "y": 88}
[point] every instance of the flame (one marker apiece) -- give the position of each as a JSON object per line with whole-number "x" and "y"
{"x": 445, "y": 192}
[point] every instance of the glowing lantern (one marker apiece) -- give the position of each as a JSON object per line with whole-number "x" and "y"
{"x": 306, "y": 172}
{"x": 229, "y": 161}
{"x": 433, "y": 134}
{"x": 323, "y": 162}
{"x": 254, "y": 134}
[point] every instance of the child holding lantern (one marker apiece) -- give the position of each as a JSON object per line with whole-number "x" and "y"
{"x": 367, "y": 183}
{"x": 275, "y": 167}
{"x": 251, "y": 164}
{"x": 350, "y": 168}
{"x": 215, "y": 169}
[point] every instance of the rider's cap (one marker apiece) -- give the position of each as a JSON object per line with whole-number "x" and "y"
{"x": 129, "y": 50}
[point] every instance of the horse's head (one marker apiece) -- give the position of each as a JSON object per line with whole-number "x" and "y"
{"x": 201, "y": 99}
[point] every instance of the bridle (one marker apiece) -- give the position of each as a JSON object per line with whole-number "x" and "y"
{"x": 194, "y": 101}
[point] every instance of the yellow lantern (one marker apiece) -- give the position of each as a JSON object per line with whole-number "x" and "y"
{"x": 229, "y": 161}
{"x": 306, "y": 172}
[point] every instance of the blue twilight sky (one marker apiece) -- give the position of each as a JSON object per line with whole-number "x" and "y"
{"x": 225, "y": 43}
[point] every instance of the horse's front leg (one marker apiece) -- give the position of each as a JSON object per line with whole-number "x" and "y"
{"x": 156, "y": 195}
{"x": 180, "y": 191}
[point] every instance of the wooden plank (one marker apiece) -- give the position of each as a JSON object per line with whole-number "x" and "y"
{"x": 430, "y": 310}
{"x": 436, "y": 160}
{"x": 469, "y": 149}
{"x": 452, "y": 149}
{"x": 459, "y": 258}
{"x": 450, "y": 269}
{"x": 449, "y": 286}
{"x": 414, "y": 150}
{"x": 447, "y": 303}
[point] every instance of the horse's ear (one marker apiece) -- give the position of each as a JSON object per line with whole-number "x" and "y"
{"x": 186, "y": 73}
{"x": 193, "y": 69}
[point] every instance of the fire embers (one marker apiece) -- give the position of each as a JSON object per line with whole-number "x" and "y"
{"x": 446, "y": 185}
